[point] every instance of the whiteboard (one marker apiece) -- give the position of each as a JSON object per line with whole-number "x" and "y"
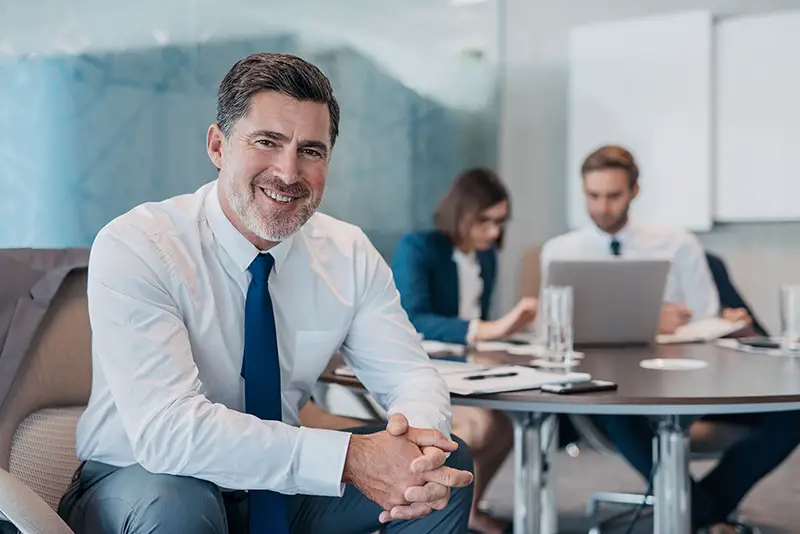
{"x": 758, "y": 118}
{"x": 646, "y": 84}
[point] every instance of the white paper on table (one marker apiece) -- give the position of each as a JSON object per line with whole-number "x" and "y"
{"x": 522, "y": 378}
{"x": 544, "y": 363}
{"x": 735, "y": 345}
{"x": 525, "y": 337}
{"x": 445, "y": 367}
{"x": 536, "y": 350}
{"x": 493, "y": 346}
{"x": 437, "y": 347}
{"x": 700, "y": 331}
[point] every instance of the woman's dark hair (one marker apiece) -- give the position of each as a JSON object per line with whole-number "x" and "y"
{"x": 472, "y": 192}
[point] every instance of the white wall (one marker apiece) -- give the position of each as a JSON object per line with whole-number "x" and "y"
{"x": 533, "y": 142}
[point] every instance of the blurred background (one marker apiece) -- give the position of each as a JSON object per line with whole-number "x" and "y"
{"x": 105, "y": 104}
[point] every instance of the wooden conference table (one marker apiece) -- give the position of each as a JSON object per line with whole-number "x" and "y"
{"x": 732, "y": 382}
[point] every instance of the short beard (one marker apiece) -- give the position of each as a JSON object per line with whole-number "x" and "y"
{"x": 617, "y": 225}
{"x": 276, "y": 226}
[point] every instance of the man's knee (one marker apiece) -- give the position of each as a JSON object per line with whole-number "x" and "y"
{"x": 461, "y": 458}
{"x": 181, "y": 504}
{"x": 131, "y": 501}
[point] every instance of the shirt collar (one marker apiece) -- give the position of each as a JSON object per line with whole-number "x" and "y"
{"x": 242, "y": 251}
{"x": 463, "y": 257}
{"x": 622, "y": 236}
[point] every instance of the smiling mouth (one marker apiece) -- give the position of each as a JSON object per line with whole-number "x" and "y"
{"x": 277, "y": 197}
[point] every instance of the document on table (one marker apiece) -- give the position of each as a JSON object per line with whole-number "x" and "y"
{"x": 437, "y": 347}
{"x": 473, "y": 379}
{"x": 444, "y": 367}
{"x": 735, "y": 345}
{"x": 701, "y": 331}
{"x": 505, "y": 378}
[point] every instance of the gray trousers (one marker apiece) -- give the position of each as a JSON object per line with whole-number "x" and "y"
{"x": 130, "y": 500}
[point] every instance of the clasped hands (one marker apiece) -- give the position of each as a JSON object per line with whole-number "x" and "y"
{"x": 402, "y": 469}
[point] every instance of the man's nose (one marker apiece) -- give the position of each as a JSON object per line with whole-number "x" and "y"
{"x": 285, "y": 166}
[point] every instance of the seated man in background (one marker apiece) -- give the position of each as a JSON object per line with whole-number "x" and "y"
{"x": 610, "y": 183}
{"x": 214, "y": 313}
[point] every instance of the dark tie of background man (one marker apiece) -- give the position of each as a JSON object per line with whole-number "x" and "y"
{"x": 616, "y": 247}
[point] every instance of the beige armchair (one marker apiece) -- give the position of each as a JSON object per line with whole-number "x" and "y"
{"x": 38, "y": 419}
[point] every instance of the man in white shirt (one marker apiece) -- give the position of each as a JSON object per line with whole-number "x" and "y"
{"x": 214, "y": 313}
{"x": 610, "y": 184}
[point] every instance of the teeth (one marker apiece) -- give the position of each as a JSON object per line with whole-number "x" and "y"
{"x": 276, "y": 196}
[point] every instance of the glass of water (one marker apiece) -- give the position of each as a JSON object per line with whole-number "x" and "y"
{"x": 790, "y": 318}
{"x": 556, "y": 309}
{"x": 540, "y": 323}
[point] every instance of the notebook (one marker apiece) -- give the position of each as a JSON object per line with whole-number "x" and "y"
{"x": 701, "y": 331}
{"x": 461, "y": 377}
{"x": 506, "y": 378}
{"x": 444, "y": 367}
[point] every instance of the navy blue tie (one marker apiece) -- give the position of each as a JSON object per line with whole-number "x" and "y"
{"x": 262, "y": 386}
{"x": 616, "y": 247}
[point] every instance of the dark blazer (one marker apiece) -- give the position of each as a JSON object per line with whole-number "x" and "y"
{"x": 427, "y": 278}
{"x": 728, "y": 295}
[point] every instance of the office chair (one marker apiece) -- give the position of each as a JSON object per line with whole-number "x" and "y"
{"x": 38, "y": 419}
{"x": 707, "y": 440}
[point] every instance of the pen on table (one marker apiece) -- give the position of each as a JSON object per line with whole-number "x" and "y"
{"x": 481, "y": 377}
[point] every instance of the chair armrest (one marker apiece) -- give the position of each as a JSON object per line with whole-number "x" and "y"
{"x": 26, "y": 510}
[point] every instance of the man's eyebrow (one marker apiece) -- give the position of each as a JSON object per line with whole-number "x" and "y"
{"x": 319, "y": 145}
{"x": 276, "y": 136}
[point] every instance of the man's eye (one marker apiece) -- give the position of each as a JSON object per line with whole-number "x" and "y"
{"x": 311, "y": 153}
{"x": 265, "y": 142}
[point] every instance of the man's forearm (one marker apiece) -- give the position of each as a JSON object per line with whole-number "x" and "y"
{"x": 313, "y": 416}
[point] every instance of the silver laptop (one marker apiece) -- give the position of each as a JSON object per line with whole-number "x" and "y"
{"x": 615, "y": 300}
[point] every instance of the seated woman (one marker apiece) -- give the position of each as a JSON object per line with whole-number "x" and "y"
{"x": 446, "y": 278}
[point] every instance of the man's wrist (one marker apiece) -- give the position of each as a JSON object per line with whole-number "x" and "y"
{"x": 352, "y": 459}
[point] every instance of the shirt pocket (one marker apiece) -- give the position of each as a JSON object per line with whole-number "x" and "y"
{"x": 312, "y": 352}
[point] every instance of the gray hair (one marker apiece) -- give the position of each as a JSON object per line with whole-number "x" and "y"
{"x": 283, "y": 73}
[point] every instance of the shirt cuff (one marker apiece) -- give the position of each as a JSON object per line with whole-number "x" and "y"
{"x": 320, "y": 461}
{"x": 472, "y": 330}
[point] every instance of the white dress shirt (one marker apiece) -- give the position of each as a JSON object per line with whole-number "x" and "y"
{"x": 689, "y": 282}
{"x": 470, "y": 290}
{"x": 470, "y": 285}
{"x": 167, "y": 286}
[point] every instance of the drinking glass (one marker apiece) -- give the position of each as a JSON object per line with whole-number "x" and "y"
{"x": 790, "y": 318}
{"x": 556, "y": 309}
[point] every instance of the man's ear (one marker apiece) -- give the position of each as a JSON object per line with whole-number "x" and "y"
{"x": 635, "y": 191}
{"x": 215, "y": 145}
